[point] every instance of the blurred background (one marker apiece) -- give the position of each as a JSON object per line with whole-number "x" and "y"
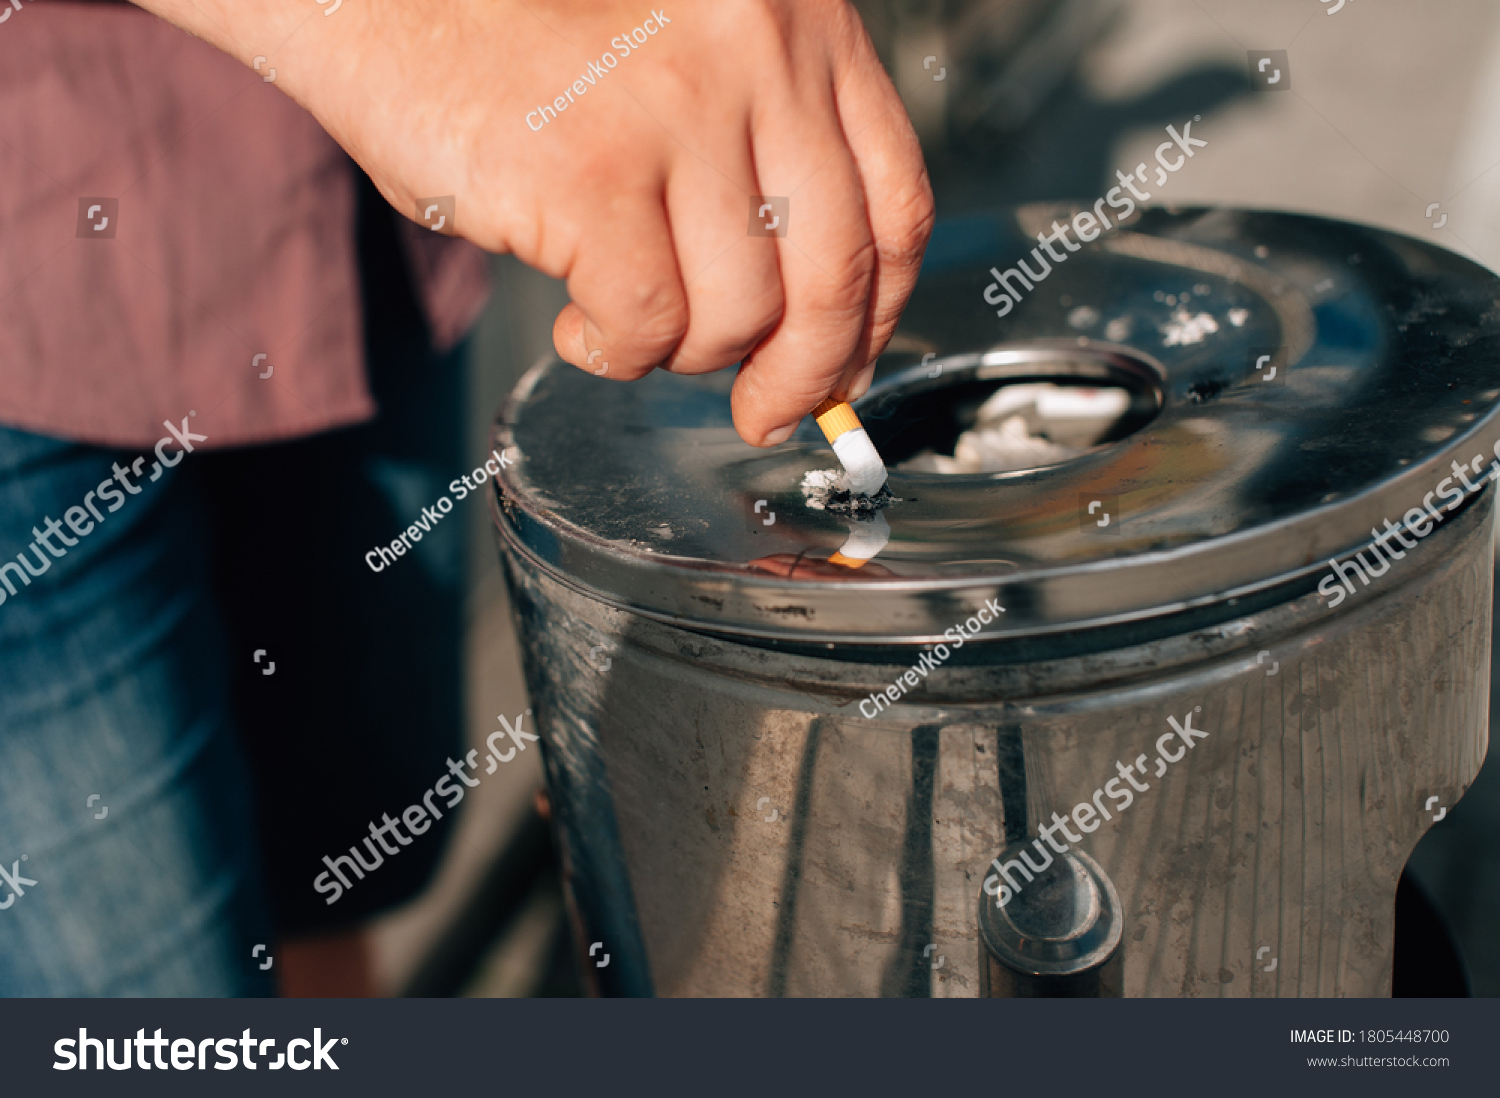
{"x": 1388, "y": 113}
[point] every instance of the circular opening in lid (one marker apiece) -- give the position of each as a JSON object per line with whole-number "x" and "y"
{"x": 1010, "y": 410}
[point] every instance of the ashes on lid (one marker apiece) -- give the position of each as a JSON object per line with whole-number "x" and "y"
{"x": 1289, "y": 382}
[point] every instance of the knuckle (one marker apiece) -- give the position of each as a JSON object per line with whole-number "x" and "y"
{"x": 661, "y": 332}
{"x": 653, "y": 319}
{"x": 752, "y": 327}
{"x": 703, "y": 353}
{"x": 910, "y": 223}
{"x": 845, "y": 292}
{"x": 740, "y": 321}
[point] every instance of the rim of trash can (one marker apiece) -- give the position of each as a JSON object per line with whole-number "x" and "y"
{"x": 640, "y": 495}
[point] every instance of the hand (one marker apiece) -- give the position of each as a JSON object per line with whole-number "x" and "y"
{"x": 638, "y": 191}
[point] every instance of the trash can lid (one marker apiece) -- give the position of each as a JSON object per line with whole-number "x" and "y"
{"x": 1298, "y": 380}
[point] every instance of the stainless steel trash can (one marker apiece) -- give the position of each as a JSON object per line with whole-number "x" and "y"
{"x": 1111, "y": 725}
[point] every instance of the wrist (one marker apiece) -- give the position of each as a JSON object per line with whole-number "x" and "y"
{"x": 319, "y": 50}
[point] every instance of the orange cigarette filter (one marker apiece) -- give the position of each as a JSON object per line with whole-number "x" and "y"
{"x": 840, "y": 425}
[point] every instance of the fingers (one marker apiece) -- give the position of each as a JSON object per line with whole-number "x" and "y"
{"x": 732, "y": 279}
{"x": 898, "y": 198}
{"x": 629, "y": 311}
{"x": 668, "y": 275}
{"x": 827, "y": 268}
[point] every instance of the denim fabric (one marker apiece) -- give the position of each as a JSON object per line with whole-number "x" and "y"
{"x": 127, "y": 670}
{"x": 112, "y": 682}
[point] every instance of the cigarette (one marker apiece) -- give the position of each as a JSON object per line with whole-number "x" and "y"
{"x": 855, "y": 451}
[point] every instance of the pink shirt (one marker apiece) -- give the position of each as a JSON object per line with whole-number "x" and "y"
{"x": 230, "y": 236}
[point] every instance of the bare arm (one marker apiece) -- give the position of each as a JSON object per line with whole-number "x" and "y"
{"x": 640, "y": 189}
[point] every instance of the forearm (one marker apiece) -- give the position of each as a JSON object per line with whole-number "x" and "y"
{"x": 638, "y": 195}
{"x": 354, "y": 66}
{"x": 246, "y": 29}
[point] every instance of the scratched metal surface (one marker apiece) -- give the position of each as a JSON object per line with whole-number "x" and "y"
{"x": 733, "y": 826}
{"x": 686, "y": 692}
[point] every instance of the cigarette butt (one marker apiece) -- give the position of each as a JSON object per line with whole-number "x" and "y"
{"x": 836, "y": 417}
{"x": 841, "y": 426}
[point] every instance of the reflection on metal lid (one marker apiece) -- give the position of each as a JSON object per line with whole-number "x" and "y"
{"x": 1324, "y": 399}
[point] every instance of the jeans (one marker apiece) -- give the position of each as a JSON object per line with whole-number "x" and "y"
{"x": 127, "y": 670}
{"x": 112, "y": 682}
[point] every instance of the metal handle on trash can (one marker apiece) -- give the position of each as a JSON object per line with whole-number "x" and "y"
{"x": 1051, "y": 932}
